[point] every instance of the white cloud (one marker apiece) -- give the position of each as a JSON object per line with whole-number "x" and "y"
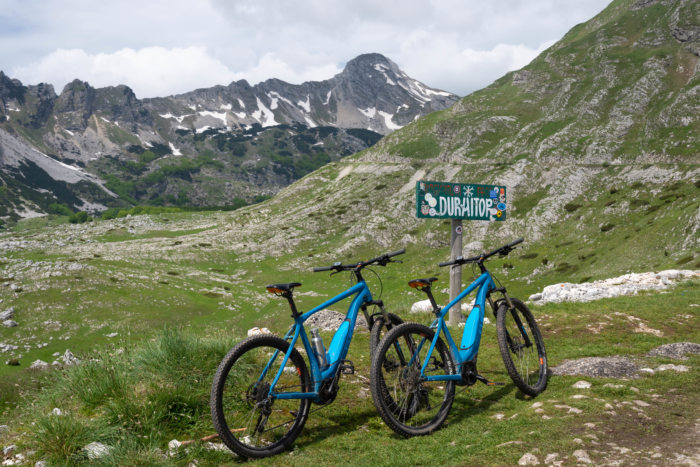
{"x": 150, "y": 71}
{"x": 162, "y": 47}
{"x": 469, "y": 68}
{"x": 272, "y": 66}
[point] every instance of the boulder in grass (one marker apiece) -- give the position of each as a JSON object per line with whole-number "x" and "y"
{"x": 598, "y": 367}
{"x": 97, "y": 450}
{"x": 7, "y": 314}
{"x": 39, "y": 365}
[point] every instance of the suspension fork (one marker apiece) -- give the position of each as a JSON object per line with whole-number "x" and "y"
{"x": 516, "y": 317}
{"x": 368, "y": 319}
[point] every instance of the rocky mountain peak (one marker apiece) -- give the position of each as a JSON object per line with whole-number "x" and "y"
{"x": 10, "y": 89}
{"x": 367, "y": 62}
{"x": 77, "y": 97}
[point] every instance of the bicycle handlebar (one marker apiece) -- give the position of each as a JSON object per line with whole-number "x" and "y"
{"x": 503, "y": 250}
{"x": 381, "y": 260}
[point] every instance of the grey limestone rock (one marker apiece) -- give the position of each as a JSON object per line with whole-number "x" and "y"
{"x": 677, "y": 350}
{"x": 7, "y": 314}
{"x": 598, "y": 367}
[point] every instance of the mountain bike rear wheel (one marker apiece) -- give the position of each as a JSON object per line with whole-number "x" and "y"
{"x": 522, "y": 347}
{"x": 250, "y": 421}
{"x": 407, "y": 403}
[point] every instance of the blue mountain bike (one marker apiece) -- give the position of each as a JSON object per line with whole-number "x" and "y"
{"x": 414, "y": 371}
{"x": 262, "y": 390}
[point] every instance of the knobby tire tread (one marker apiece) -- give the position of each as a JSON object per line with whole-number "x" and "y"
{"x": 216, "y": 402}
{"x": 378, "y": 326}
{"x": 524, "y": 311}
{"x": 379, "y": 388}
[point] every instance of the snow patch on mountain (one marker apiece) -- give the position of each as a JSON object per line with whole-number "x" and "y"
{"x": 217, "y": 115}
{"x": 264, "y": 115}
{"x": 383, "y": 69}
{"x": 306, "y": 105}
{"x": 175, "y": 151}
{"x": 388, "y": 120}
{"x": 179, "y": 119}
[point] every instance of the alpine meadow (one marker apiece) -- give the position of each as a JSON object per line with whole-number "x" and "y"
{"x": 113, "y": 325}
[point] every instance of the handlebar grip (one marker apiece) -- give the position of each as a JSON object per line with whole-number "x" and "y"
{"x": 396, "y": 253}
{"x": 323, "y": 268}
{"x": 446, "y": 263}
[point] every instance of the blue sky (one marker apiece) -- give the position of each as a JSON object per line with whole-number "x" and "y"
{"x": 160, "y": 47}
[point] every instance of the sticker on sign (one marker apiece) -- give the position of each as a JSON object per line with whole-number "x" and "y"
{"x": 443, "y": 200}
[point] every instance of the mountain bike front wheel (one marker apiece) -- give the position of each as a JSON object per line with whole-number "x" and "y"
{"x": 249, "y": 420}
{"x": 408, "y": 404}
{"x": 380, "y": 327}
{"x": 522, "y": 347}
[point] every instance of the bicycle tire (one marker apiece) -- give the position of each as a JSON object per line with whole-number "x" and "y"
{"x": 407, "y": 405}
{"x": 525, "y": 362}
{"x": 380, "y": 329}
{"x": 249, "y": 422}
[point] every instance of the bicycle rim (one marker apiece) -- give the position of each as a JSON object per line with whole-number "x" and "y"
{"x": 410, "y": 405}
{"x": 522, "y": 348}
{"x": 248, "y": 419}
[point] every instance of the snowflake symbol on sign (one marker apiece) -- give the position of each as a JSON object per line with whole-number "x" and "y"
{"x": 468, "y": 190}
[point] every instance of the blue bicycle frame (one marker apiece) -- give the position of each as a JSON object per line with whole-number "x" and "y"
{"x": 471, "y": 337}
{"x": 337, "y": 350}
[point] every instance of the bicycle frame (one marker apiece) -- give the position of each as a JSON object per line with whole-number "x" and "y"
{"x": 337, "y": 350}
{"x": 471, "y": 337}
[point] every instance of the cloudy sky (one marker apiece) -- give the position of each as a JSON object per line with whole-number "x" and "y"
{"x": 163, "y": 47}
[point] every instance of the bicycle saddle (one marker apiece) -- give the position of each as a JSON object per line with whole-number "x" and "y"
{"x": 279, "y": 288}
{"x": 421, "y": 282}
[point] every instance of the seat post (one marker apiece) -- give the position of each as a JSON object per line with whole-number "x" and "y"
{"x": 428, "y": 290}
{"x": 290, "y": 298}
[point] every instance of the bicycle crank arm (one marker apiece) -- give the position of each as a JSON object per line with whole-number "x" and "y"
{"x": 487, "y": 382}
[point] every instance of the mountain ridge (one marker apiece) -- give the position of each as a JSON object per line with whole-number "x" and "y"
{"x": 209, "y": 146}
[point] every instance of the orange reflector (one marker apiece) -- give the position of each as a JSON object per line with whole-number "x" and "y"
{"x": 541, "y": 361}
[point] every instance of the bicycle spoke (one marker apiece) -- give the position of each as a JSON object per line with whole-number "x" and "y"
{"x": 408, "y": 403}
{"x": 522, "y": 348}
{"x": 247, "y": 415}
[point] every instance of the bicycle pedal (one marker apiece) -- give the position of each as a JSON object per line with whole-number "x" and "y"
{"x": 347, "y": 367}
{"x": 487, "y": 382}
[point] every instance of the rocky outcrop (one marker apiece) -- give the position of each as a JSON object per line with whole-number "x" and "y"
{"x": 628, "y": 284}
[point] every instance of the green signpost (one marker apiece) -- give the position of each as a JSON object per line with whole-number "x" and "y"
{"x": 442, "y": 200}
{"x": 457, "y": 201}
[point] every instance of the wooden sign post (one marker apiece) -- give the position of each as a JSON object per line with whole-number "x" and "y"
{"x": 455, "y": 272}
{"x": 458, "y": 201}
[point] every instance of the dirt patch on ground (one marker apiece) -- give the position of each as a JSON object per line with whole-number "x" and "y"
{"x": 665, "y": 432}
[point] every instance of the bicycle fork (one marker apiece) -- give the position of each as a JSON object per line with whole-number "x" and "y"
{"x": 370, "y": 319}
{"x": 514, "y": 347}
